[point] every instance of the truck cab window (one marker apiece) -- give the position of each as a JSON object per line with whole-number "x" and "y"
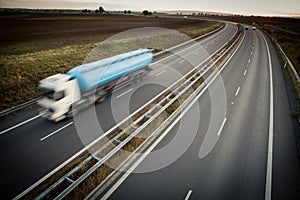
{"x": 47, "y": 93}
{"x": 58, "y": 95}
{"x": 51, "y": 94}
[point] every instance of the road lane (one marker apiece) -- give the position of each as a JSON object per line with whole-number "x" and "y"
{"x": 30, "y": 158}
{"x": 236, "y": 167}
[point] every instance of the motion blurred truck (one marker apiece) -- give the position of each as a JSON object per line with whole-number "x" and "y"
{"x": 66, "y": 94}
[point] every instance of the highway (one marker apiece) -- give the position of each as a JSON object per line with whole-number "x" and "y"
{"x": 253, "y": 155}
{"x": 31, "y": 147}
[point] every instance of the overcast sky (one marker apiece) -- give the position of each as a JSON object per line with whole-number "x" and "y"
{"x": 250, "y": 7}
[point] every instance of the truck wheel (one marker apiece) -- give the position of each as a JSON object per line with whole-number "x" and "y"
{"x": 70, "y": 112}
{"x": 101, "y": 99}
{"x": 101, "y": 96}
{"x": 138, "y": 78}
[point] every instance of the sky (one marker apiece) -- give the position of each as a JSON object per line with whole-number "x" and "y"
{"x": 245, "y": 7}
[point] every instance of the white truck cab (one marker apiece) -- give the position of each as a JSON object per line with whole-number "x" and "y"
{"x": 60, "y": 92}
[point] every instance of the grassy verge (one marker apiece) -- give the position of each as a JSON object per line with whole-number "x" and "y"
{"x": 20, "y": 74}
{"x": 288, "y": 37}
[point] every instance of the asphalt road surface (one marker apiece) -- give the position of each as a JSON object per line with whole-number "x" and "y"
{"x": 30, "y": 147}
{"x": 227, "y": 156}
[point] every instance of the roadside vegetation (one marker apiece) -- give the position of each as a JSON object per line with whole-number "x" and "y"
{"x": 35, "y": 46}
{"x": 288, "y": 37}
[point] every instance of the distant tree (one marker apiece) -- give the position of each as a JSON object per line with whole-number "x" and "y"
{"x": 84, "y": 10}
{"x": 125, "y": 12}
{"x": 96, "y": 11}
{"x": 150, "y": 13}
{"x": 145, "y": 12}
{"x": 101, "y": 9}
{"x": 129, "y": 12}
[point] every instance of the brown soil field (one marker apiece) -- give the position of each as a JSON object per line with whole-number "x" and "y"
{"x": 35, "y": 46}
{"x": 25, "y": 33}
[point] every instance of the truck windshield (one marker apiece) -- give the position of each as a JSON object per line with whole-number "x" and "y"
{"x": 51, "y": 94}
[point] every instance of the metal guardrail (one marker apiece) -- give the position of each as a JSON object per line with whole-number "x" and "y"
{"x": 289, "y": 61}
{"x": 33, "y": 101}
{"x": 172, "y": 94}
{"x": 190, "y": 41}
{"x": 19, "y": 107}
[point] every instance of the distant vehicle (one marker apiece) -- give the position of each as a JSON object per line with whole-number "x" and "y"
{"x": 185, "y": 17}
{"x": 253, "y": 28}
{"x": 65, "y": 94}
{"x": 246, "y": 28}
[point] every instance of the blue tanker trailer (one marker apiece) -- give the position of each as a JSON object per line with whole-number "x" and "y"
{"x": 92, "y": 82}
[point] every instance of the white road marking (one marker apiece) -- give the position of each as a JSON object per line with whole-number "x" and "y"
{"x": 20, "y": 124}
{"x": 188, "y": 195}
{"x": 232, "y": 103}
{"x": 181, "y": 61}
{"x": 237, "y": 91}
{"x": 222, "y": 126}
{"x": 251, "y": 53}
{"x": 245, "y": 72}
{"x": 268, "y": 189}
{"x": 249, "y": 60}
{"x": 47, "y": 136}
{"x": 125, "y": 93}
{"x": 130, "y": 170}
{"x": 160, "y": 73}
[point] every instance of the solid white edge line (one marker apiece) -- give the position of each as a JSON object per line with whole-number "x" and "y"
{"x": 126, "y": 174}
{"x": 49, "y": 135}
{"x": 124, "y": 93}
{"x": 222, "y": 126}
{"x": 237, "y": 91}
{"x": 20, "y": 124}
{"x": 92, "y": 143}
{"x": 268, "y": 189}
{"x": 245, "y": 72}
{"x": 249, "y": 60}
{"x": 160, "y": 73}
{"x": 188, "y": 195}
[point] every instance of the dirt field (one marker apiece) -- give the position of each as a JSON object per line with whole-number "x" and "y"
{"x": 35, "y": 46}
{"x": 23, "y": 33}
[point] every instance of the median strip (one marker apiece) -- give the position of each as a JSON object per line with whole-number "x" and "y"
{"x": 82, "y": 175}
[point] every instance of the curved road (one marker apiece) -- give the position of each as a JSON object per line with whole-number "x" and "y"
{"x": 31, "y": 150}
{"x": 238, "y": 164}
